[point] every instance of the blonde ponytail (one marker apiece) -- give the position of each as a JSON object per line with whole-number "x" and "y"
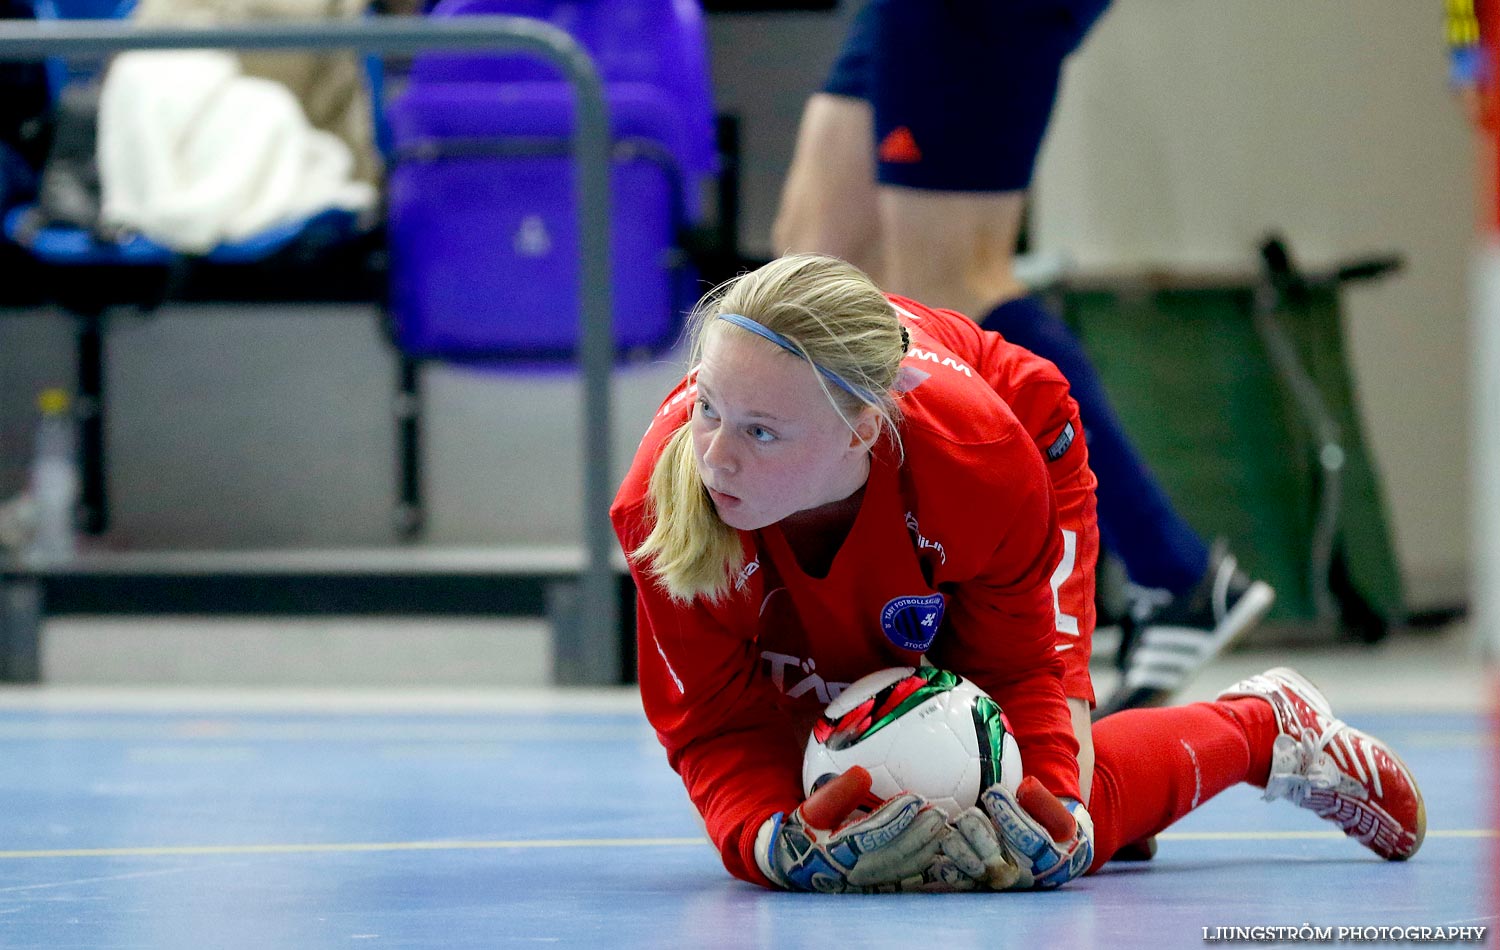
{"x": 693, "y": 553}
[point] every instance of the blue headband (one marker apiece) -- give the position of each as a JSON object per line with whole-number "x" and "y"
{"x": 765, "y": 332}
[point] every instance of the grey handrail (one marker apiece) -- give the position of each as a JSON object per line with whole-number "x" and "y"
{"x": 593, "y": 657}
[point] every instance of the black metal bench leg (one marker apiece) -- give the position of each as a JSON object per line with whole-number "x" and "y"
{"x": 20, "y": 629}
{"x": 411, "y": 512}
{"x": 89, "y": 413}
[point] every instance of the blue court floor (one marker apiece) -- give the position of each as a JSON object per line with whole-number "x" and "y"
{"x": 297, "y": 823}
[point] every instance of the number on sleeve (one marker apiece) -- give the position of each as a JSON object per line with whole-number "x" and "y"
{"x": 1066, "y": 623}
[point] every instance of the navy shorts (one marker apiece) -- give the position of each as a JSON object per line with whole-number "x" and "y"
{"x": 962, "y": 90}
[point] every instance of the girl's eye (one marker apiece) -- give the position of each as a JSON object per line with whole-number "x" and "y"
{"x": 706, "y": 410}
{"x": 761, "y": 434}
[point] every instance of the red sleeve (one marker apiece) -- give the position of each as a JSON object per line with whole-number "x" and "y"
{"x": 721, "y": 724}
{"x": 1073, "y": 485}
{"x": 1002, "y": 630}
{"x": 1037, "y": 393}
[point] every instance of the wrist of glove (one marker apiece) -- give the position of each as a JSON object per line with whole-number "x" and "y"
{"x": 842, "y": 840}
{"x": 1025, "y": 839}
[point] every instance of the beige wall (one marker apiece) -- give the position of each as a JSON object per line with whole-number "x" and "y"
{"x": 1187, "y": 129}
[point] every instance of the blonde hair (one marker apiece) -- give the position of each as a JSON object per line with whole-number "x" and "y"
{"x": 836, "y": 319}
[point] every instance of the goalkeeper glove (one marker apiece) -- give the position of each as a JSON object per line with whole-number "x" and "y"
{"x": 1026, "y": 839}
{"x": 826, "y": 845}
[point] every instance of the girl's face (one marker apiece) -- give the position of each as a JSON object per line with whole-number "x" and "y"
{"x": 767, "y": 441}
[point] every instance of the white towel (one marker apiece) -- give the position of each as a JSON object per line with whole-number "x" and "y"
{"x": 192, "y": 153}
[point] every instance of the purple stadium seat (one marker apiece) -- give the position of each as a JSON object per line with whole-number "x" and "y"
{"x": 482, "y": 214}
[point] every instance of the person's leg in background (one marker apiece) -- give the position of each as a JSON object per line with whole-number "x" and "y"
{"x": 828, "y": 198}
{"x": 955, "y": 148}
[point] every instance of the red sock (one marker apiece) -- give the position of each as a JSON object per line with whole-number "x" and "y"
{"x": 1152, "y": 766}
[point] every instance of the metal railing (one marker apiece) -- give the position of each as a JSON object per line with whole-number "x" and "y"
{"x": 586, "y": 638}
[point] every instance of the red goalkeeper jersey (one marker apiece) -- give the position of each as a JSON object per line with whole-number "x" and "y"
{"x": 953, "y": 555}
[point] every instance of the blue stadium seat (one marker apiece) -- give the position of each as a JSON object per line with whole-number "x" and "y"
{"x": 482, "y": 215}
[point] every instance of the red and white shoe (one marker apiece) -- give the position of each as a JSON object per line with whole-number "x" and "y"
{"x": 1351, "y": 778}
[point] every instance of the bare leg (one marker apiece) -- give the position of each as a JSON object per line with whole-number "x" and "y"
{"x": 828, "y": 201}
{"x": 957, "y": 248}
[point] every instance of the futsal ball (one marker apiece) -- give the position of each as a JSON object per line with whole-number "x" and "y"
{"x": 921, "y": 730}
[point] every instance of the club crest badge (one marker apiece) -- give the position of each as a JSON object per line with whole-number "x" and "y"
{"x": 911, "y": 622}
